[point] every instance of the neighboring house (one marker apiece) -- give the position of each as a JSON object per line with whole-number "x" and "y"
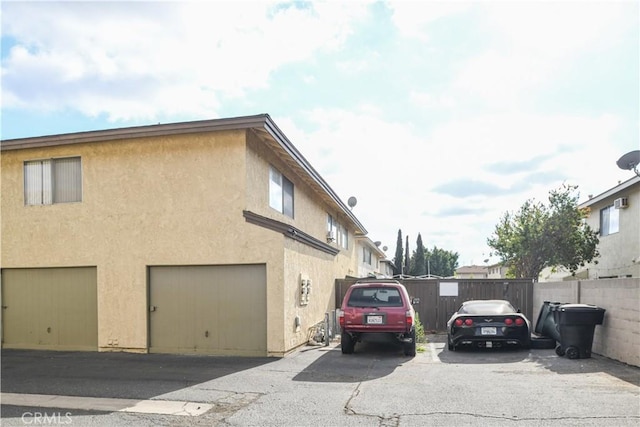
{"x": 616, "y": 215}
{"x": 370, "y": 258}
{"x": 472, "y": 272}
{"x": 212, "y": 236}
{"x": 387, "y": 268}
{"x": 496, "y": 271}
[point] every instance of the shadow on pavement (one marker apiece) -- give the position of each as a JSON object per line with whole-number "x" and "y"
{"x": 471, "y": 355}
{"x": 370, "y": 361}
{"x": 119, "y": 375}
{"x": 546, "y": 358}
{"x": 596, "y": 363}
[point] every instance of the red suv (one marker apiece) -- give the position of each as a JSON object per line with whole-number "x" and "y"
{"x": 373, "y": 309}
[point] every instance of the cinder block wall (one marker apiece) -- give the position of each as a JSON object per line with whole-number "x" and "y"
{"x": 619, "y": 335}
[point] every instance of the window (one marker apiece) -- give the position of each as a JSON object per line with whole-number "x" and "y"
{"x": 52, "y": 181}
{"x": 339, "y": 232}
{"x": 331, "y": 226}
{"x": 609, "y": 220}
{"x": 343, "y": 237}
{"x": 280, "y": 193}
{"x": 366, "y": 255}
{"x": 375, "y": 297}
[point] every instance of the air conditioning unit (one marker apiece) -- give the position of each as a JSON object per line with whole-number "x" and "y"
{"x": 331, "y": 236}
{"x": 621, "y": 203}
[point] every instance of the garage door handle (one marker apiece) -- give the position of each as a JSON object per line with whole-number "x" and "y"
{"x": 152, "y": 308}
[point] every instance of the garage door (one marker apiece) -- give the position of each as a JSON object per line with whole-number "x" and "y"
{"x": 50, "y": 308}
{"x": 208, "y": 309}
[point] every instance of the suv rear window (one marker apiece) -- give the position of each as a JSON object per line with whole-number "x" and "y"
{"x": 375, "y": 297}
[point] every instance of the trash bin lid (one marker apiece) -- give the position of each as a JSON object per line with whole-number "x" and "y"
{"x": 580, "y": 307}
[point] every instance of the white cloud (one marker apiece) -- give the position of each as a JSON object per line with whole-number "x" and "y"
{"x": 432, "y": 101}
{"x": 413, "y": 17}
{"x": 533, "y": 42}
{"x": 556, "y": 29}
{"x": 193, "y": 51}
{"x": 392, "y": 167}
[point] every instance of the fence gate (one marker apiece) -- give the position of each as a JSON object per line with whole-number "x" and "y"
{"x": 440, "y": 298}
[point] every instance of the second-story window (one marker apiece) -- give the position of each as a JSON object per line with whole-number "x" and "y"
{"x": 609, "y": 220}
{"x": 366, "y": 255}
{"x": 331, "y": 226}
{"x": 337, "y": 233}
{"x": 343, "y": 237}
{"x": 52, "y": 181}
{"x": 280, "y": 192}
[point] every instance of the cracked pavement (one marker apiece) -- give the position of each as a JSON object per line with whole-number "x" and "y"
{"x": 318, "y": 386}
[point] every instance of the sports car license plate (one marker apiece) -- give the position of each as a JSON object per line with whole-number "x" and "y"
{"x": 488, "y": 331}
{"x": 374, "y": 320}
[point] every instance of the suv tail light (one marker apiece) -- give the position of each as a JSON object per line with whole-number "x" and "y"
{"x": 341, "y": 318}
{"x": 409, "y": 318}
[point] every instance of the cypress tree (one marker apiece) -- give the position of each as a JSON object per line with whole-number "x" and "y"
{"x": 397, "y": 260}
{"x": 420, "y": 267}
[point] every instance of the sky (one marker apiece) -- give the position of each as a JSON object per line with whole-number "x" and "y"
{"x": 439, "y": 117}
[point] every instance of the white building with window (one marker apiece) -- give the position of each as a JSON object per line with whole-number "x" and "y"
{"x": 616, "y": 215}
{"x": 372, "y": 261}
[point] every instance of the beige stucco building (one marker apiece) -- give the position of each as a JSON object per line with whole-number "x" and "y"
{"x": 213, "y": 237}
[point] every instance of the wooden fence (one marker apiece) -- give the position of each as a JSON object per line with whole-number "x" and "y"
{"x": 440, "y": 298}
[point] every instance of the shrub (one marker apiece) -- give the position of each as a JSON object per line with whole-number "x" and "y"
{"x": 419, "y": 329}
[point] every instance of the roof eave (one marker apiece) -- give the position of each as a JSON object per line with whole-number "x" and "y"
{"x": 260, "y": 121}
{"x": 610, "y": 192}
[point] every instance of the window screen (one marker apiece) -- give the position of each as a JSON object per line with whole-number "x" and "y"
{"x": 53, "y": 181}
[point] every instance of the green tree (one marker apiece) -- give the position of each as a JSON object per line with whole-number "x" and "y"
{"x": 441, "y": 262}
{"x": 540, "y": 236}
{"x": 418, "y": 260}
{"x": 407, "y": 262}
{"x": 397, "y": 260}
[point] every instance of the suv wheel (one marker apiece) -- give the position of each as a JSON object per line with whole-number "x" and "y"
{"x": 346, "y": 343}
{"x": 410, "y": 348}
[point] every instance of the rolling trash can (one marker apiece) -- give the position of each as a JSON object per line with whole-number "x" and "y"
{"x": 576, "y": 324}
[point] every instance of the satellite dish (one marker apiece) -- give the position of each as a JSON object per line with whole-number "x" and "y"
{"x": 352, "y": 202}
{"x": 630, "y": 161}
{"x": 384, "y": 248}
{"x": 377, "y": 243}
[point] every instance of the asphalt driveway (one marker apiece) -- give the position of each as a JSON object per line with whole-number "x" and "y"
{"x": 318, "y": 386}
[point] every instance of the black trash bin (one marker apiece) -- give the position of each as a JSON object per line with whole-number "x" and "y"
{"x": 576, "y": 324}
{"x": 546, "y": 324}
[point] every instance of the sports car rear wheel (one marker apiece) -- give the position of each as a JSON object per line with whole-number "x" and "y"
{"x": 450, "y": 346}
